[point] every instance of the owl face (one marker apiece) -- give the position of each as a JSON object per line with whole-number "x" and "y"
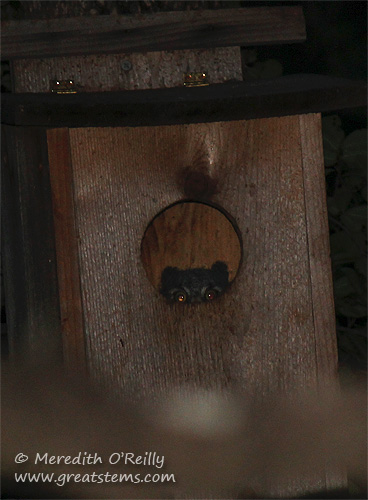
{"x": 194, "y": 285}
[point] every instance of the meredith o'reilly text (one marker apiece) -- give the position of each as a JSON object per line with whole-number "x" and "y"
{"x": 148, "y": 458}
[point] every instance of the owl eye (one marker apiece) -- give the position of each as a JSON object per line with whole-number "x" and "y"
{"x": 210, "y": 294}
{"x": 180, "y": 297}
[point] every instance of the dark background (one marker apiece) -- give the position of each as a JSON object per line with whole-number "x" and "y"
{"x": 336, "y": 45}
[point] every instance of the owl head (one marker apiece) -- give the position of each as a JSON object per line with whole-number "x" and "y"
{"x": 194, "y": 285}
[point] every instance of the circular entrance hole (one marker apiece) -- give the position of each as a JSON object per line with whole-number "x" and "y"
{"x": 191, "y": 252}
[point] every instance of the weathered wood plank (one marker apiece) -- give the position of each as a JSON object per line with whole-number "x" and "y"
{"x": 268, "y": 315}
{"x": 318, "y": 242}
{"x": 262, "y": 336}
{"x": 320, "y": 266}
{"x": 320, "y": 269}
{"x": 288, "y": 95}
{"x": 66, "y": 244}
{"x": 164, "y": 31}
{"x": 30, "y": 279}
{"x": 105, "y": 73}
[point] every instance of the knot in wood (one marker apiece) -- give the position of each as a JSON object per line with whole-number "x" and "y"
{"x": 198, "y": 185}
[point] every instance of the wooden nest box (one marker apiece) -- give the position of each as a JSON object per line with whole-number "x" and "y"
{"x": 165, "y": 222}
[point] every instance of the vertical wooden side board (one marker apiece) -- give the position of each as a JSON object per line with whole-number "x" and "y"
{"x": 28, "y": 247}
{"x": 274, "y": 328}
{"x": 66, "y": 244}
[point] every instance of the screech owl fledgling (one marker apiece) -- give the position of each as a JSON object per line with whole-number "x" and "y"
{"x": 194, "y": 285}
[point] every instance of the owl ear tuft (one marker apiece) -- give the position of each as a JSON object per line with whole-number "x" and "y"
{"x": 220, "y": 267}
{"x": 168, "y": 272}
{"x": 169, "y": 279}
{"x": 221, "y": 273}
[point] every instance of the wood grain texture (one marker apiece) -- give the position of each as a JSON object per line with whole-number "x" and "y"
{"x": 288, "y": 95}
{"x": 261, "y": 335}
{"x": 151, "y": 70}
{"x": 67, "y": 253}
{"x": 274, "y": 329}
{"x": 187, "y": 236}
{"x": 320, "y": 266}
{"x": 28, "y": 249}
{"x": 164, "y": 31}
{"x": 318, "y": 242}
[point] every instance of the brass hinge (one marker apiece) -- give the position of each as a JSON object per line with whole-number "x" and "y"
{"x": 195, "y": 79}
{"x": 63, "y": 87}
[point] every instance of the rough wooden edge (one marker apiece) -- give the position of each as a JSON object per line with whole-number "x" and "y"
{"x": 150, "y": 32}
{"x": 66, "y": 249}
{"x": 318, "y": 245}
{"x": 320, "y": 270}
{"x": 288, "y": 95}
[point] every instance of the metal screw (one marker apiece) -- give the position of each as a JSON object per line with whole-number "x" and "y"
{"x": 126, "y": 65}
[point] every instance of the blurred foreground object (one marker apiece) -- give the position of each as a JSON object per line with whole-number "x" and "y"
{"x": 217, "y": 445}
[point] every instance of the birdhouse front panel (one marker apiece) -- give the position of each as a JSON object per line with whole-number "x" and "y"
{"x": 147, "y": 199}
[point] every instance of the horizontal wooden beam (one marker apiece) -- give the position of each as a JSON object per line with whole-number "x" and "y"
{"x": 288, "y": 95}
{"x": 151, "y": 32}
{"x": 106, "y": 73}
